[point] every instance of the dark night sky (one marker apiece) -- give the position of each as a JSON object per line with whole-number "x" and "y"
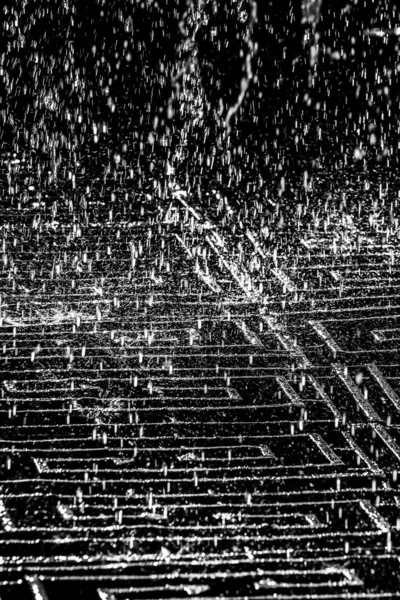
{"x": 122, "y": 54}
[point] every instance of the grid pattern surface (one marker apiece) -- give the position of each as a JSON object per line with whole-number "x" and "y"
{"x": 177, "y": 425}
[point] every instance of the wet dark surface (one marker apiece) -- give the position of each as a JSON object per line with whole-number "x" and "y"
{"x": 199, "y": 330}
{"x": 185, "y": 416}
